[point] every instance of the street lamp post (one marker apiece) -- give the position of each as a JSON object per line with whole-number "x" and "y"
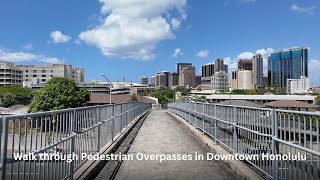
{"x": 109, "y": 86}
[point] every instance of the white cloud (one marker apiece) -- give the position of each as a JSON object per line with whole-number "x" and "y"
{"x": 303, "y": 9}
{"x": 27, "y": 46}
{"x": 233, "y": 62}
{"x": 58, "y": 37}
{"x": 132, "y": 28}
{"x": 245, "y": 55}
{"x": 6, "y": 55}
{"x": 175, "y": 23}
{"x": 177, "y": 53}
{"x": 203, "y": 53}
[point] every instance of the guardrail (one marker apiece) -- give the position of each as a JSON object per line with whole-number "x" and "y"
{"x": 67, "y": 133}
{"x": 261, "y": 134}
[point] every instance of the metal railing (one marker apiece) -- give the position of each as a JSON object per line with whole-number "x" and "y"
{"x": 261, "y": 134}
{"x": 67, "y": 133}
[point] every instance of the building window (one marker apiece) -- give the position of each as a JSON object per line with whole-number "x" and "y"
{"x": 43, "y": 75}
{"x": 34, "y": 71}
{"x": 27, "y": 71}
{"x": 43, "y": 71}
{"x": 27, "y": 75}
{"x": 43, "y": 80}
{"x": 34, "y": 75}
{"x": 52, "y": 71}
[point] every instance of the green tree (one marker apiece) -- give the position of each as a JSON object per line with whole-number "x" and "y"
{"x": 23, "y": 95}
{"x": 7, "y": 100}
{"x": 59, "y": 93}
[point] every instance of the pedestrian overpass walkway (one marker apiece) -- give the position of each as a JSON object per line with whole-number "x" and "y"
{"x": 100, "y": 129}
{"x": 162, "y": 134}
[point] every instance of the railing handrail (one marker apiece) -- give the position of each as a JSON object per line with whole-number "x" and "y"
{"x": 250, "y": 127}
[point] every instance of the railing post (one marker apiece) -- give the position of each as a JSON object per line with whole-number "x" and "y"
{"x": 73, "y": 123}
{"x": 99, "y": 128}
{"x": 195, "y": 114}
{"x": 121, "y": 116}
{"x": 275, "y": 144}
{"x": 4, "y": 147}
{"x": 203, "y": 116}
{"x": 235, "y": 130}
{"x": 215, "y": 122}
{"x": 112, "y": 123}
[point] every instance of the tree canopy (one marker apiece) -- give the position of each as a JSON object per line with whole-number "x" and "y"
{"x": 167, "y": 95}
{"x": 20, "y": 94}
{"x": 59, "y": 93}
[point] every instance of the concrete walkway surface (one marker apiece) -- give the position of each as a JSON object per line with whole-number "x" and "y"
{"x": 162, "y": 134}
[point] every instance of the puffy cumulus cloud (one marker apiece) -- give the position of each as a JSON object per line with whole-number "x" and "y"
{"x": 177, "y": 53}
{"x": 245, "y": 55}
{"x": 314, "y": 74}
{"x": 6, "y": 55}
{"x": 203, "y": 53}
{"x": 58, "y": 37}
{"x": 233, "y": 62}
{"x": 303, "y": 9}
{"x": 132, "y": 28}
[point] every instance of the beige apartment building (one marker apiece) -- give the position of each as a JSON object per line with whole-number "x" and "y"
{"x": 40, "y": 74}
{"x": 10, "y": 74}
{"x": 241, "y": 79}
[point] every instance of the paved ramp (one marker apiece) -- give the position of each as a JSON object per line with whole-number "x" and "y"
{"x": 162, "y": 134}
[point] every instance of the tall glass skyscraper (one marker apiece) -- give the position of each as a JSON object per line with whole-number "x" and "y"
{"x": 287, "y": 64}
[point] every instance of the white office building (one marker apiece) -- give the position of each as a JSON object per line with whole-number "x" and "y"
{"x": 298, "y": 86}
{"x": 41, "y": 74}
{"x": 219, "y": 81}
{"x": 10, "y": 74}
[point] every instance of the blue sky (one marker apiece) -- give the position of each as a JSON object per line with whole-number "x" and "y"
{"x": 132, "y": 38}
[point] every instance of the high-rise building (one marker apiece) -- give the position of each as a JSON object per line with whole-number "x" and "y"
{"x": 208, "y": 70}
{"x": 180, "y": 66}
{"x": 219, "y": 65}
{"x": 161, "y": 79}
{"x": 173, "y": 79}
{"x": 10, "y": 74}
{"x": 226, "y": 69}
{"x": 219, "y": 81}
{"x": 152, "y": 81}
{"x": 241, "y": 79}
{"x": 144, "y": 80}
{"x": 187, "y": 77}
{"x": 287, "y": 64}
{"x": 43, "y": 73}
{"x": 198, "y": 80}
{"x": 245, "y": 64}
{"x": 244, "y": 79}
{"x": 257, "y": 71}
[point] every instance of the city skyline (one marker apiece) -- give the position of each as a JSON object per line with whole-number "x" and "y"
{"x": 192, "y": 32}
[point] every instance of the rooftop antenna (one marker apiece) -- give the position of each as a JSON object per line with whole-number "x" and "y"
{"x": 124, "y": 79}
